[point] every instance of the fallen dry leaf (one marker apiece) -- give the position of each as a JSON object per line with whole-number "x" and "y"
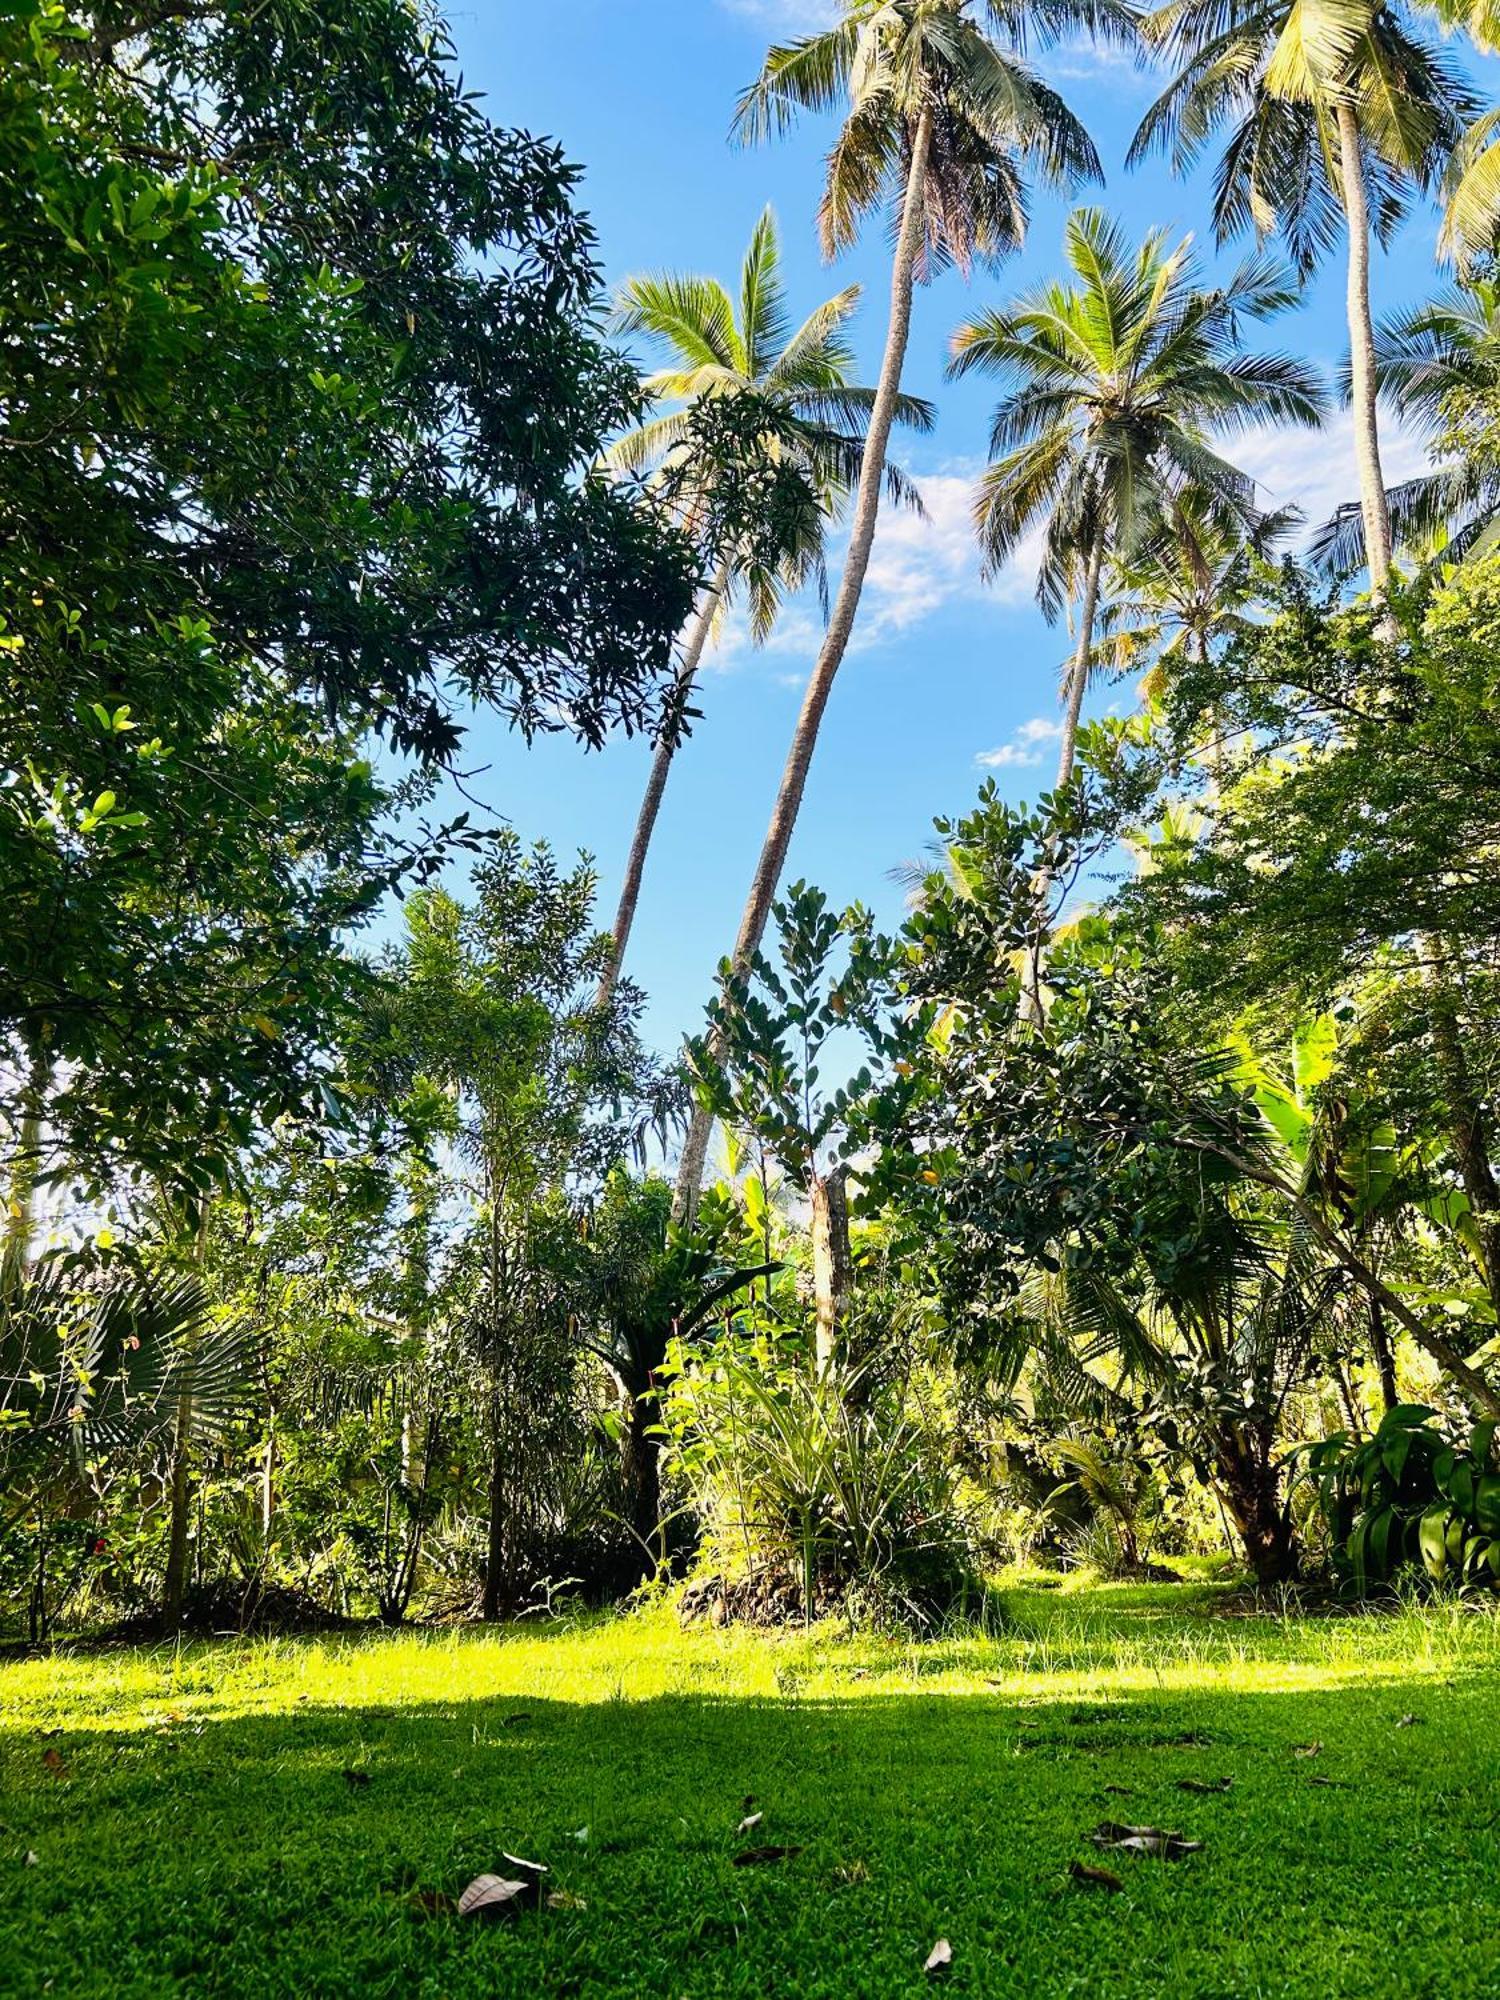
{"x": 526, "y": 1867}
{"x": 848, "y": 1873}
{"x": 494, "y": 1896}
{"x": 1171, "y": 1846}
{"x": 54, "y": 1763}
{"x": 756, "y": 1857}
{"x": 750, "y": 1819}
{"x": 1204, "y": 1785}
{"x": 940, "y": 1957}
{"x": 564, "y": 1899}
{"x": 30, "y": 1859}
{"x": 1307, "y": 1749}
{"x": 1100, "y": 1878}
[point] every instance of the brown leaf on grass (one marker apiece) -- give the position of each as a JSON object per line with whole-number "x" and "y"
{"x": 564, "y": 1899}
{"x": 1099, "y": 1878}
{"x": 940, "y": 1957}
{"x": 756, "y": 1857}
{"x": 751, "y": 1819}
{"x": 53, "y": 1760}
{"x": 1204, "y": 1785}
{"x": 495, "y": 1896}
{"x": 355, "y": 1779}
{"x": 1171, "y": 1846}
{"x": 431, "y": 1903}
{"x": 1307, "y": 1749}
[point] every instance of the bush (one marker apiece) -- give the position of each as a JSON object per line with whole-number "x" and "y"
{"x": 817, "y": 1494}
{"x": 1408, "y": 1498}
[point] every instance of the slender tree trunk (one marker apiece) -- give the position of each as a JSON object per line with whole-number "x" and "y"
{"x": 494, "y": 1568}
{"x": 179, "y": 1489}
{"x": 1372, "y": 498}
{"x": 1078, "y": 674}
{"x": 656, "y": 785}
{"x": 25, "y": 1161}
{"x": 840, "y": 624}
{"x": 1078, "y": 680}
{"x": 832, "y": 1264}
{"x": 642, "y": 1467}
{"x": 1384, "y": 1355}
{"x": 1469, "y": 1128}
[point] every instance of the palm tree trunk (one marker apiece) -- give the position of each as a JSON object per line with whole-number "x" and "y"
{"x": 1078, "y": 680}
{"x": 832, "y": 1265}
{"x": 1078, "y": 676}
{"x": 1372, "y": 499}
{"x": 840, "y": 624}
{"x": 656, "y": 785}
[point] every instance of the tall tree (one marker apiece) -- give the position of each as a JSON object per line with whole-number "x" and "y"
{"x": 1112, "y": 386}
{"x": 1438, "y": 366}
{"x": 1336, "y": 109}
{"x": 299, "y": 381}
{"x": 801, "y": 377}
{"x": 943, "y": 122}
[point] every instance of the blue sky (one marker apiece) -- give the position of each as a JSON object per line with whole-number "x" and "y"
{"x": 945, "y": 672}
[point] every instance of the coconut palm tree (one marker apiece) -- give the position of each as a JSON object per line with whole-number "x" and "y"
{"x": 1112, "y": 387}
{"x": 943, "y": 121}
{"x": 1429, "y": 363}
{"x": 1336, "y": 109}
{"x": 1170, "y": 605}
{"x": 800, "y": 380}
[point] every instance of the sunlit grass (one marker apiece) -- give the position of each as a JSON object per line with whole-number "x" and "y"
{"x": 201, "y": 1834}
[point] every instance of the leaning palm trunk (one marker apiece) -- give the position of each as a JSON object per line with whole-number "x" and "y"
{"x": 1372, "y": 500}
{"x": 656, "y": 785}
{"x": 840, "y": 626}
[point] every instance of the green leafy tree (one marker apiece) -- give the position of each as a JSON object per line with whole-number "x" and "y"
{"x": 300, "y": 389}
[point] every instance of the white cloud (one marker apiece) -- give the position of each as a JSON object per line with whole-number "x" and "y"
{"x": 1024, "y": 748}
{"x": 1315, "y": 470}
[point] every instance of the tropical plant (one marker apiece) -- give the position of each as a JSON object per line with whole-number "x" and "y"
{"x": 1438, "y": 366}
{"x": 1409, "y": 1496}
{"x": 798, "y": 376}
{"x": 944, "y": 121}
{"x": 1334, "y": 107}
{"x": 1112, "y": 386}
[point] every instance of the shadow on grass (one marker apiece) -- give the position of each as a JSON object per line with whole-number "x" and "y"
{"x": 238, "y": 1857}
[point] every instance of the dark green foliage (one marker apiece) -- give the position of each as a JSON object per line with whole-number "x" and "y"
{"x": 1409, "y": 1498}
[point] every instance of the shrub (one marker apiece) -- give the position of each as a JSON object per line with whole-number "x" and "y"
{"x": 1407, "y": 1497}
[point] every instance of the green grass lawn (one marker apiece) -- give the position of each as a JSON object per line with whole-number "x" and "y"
{"x": 194, "y": 1829}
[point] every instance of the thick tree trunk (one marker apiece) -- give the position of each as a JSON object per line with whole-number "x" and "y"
{"x": 656, "y": 785}
{"x": 1372, "y": 500}
{"x": 1252, "y": 1489}
{"x": 840, "y": 624}
{"x": 832, "y": 1265}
